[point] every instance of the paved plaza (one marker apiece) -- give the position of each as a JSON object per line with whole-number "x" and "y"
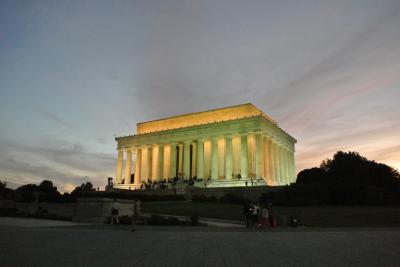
{"x": 50, "y": 243}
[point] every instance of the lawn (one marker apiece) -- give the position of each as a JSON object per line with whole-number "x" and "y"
{"x": 329, "y": 216}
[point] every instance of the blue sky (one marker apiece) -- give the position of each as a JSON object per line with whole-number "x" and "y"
{"x": 73, "y": 74}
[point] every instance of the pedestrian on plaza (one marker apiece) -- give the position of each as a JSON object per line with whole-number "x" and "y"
{"x": 255, "y": 212}
{"x": 271, "y": 216}
{"x": 114, "y": 211}
{"x": 264, "y": 218}
{"x": 247, "y": 213}
{"x": 135, "y": 213}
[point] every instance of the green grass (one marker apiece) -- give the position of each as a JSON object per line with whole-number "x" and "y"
{"x": 329, "y": 216}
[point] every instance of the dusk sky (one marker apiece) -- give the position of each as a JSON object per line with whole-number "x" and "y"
{"x": 75, "y": 74}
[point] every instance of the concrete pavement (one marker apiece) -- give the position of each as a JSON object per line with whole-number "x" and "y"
{"x": 105, "y": 245}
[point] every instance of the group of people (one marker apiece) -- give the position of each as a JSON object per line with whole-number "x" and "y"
{"x": 136, "y": 208}
{"x": 167, "y": 183}
{"x": 257, "y": 216}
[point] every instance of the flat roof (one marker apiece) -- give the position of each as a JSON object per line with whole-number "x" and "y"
{"x": 202, "y": 117}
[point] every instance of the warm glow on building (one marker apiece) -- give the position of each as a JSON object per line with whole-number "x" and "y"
{"x": 230, "y": 146}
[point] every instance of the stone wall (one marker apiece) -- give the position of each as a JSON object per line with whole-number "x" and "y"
{"x": 252, "y": 193}
{"x": 64, "y": 210}
{"x": 99, "y": 209}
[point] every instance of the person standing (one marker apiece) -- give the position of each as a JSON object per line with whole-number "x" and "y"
{"x": 264, "y": 218}
{"x": 114, "y": 211}
{"x": 255, "y": 214}
{"x": 271, "y": 216}
{"x": 135, "y": 214}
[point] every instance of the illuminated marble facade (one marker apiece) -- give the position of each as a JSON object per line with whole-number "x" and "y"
{"x": 224, "y": 147}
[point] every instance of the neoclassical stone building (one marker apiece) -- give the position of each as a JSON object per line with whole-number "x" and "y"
{"x": 231, "y": 146}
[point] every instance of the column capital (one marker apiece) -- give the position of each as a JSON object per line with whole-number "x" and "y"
{"x": 267, "y": 135}
{"x": 214, "y": 137}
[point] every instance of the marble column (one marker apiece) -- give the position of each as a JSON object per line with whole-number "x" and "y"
{"x": 194, "y": 160}
{"x": 160, "y": 162}
{"x": 285, "y": 161}
{"x": 180, "y": 159}
{"x": 144, "y": 164}
{"x": 167, "y": 161}
{"x": 280, "y": 166}
{"x": 272, "y": 162}
{"x": 221, "y": 157}
{"x": 228, "y": 158}
{"x": 276, "y": 164}
{"x": 172, "y": 159}
{"x": 243, "y": 158}
{"x": 120, "y": 160}
{"x": 128, "y": 166}
{"x": 214, "y": 158}
{"x": 267, "y": 176}
{"x": 200, "y": 158}
{"x": 154, "y": 162}
{"x": 149, "y": 163}
{"x": 236, "y": 155}
{"x": 287, "y": 167}
{"x": 259, "y": 155}
{"x": 138, "y": 166}
{"x": 186, "y": 160}
{"x": 293, "y": 167}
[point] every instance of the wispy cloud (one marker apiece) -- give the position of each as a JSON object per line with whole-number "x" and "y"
{"x": 67, "y": 164}
{"x": 326, "y": 71}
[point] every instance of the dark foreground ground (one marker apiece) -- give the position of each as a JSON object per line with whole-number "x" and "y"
{"x": 311, "y": 216}
{"x": 37, "y": 243}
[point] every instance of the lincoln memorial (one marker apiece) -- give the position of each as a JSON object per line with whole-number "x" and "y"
{"x": 232, "y": 146}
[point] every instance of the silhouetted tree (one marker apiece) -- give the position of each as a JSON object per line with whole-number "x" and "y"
{"x": 3, "y": 185}
{"x": 48, "y": 192}
{"x": 353, "y": 179}
{"x": 85, "y": 187}
{"x": 26, "y": 193}
{"x": 313, "y": 175}
{"x": 3, "y": 190}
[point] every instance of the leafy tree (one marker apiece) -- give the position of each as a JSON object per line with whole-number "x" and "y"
{"x": 48, "y": 192}
{"x": 3, "y": 186}
{"x": 353, "y": 179}
{"x": 85, "y": 187}
{"x": 313, "y": 175}
{"x": 4, "y": 190}
{"x": 26, "y": 193}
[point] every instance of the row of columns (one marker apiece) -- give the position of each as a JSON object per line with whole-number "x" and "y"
{"x": 251, "y": 156}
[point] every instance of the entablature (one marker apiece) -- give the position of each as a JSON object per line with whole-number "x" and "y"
{"x": 254, "y": 124}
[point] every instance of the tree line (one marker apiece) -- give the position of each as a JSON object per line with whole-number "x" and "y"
{"x": 45, "y": 191}
{"x": 346, "y": 179}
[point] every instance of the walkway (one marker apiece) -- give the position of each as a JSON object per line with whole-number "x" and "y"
{"x": 105, "y": 245}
